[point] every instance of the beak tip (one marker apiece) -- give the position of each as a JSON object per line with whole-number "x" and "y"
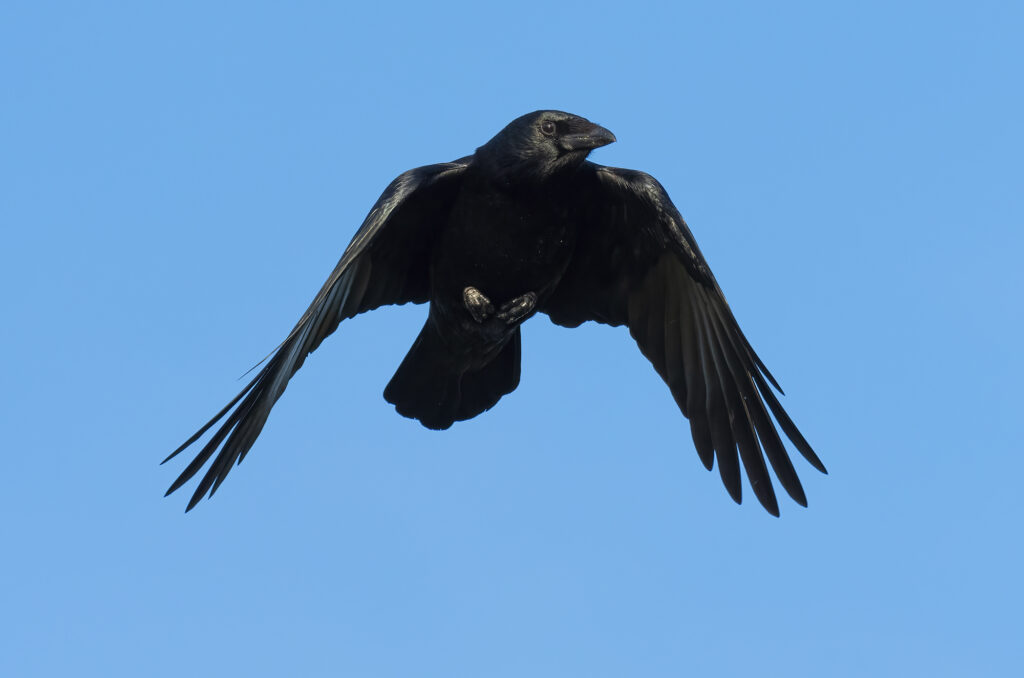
{"x": 602, "y": 136}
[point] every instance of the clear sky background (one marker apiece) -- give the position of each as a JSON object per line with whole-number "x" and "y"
{"x": 177, "y": 180}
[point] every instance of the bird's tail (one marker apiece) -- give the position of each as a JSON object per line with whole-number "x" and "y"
{"x": 433, "y": 386}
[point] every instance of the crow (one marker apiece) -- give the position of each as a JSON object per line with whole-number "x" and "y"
{"x": 527, "y": 224}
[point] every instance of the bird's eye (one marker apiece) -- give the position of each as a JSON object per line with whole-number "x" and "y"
{"x": 547, "y": 127}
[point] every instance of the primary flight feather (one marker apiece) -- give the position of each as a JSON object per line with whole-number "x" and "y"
{"x": 527, "y": 224}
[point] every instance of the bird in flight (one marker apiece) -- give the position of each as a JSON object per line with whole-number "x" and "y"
{"x": 525, "y": 225}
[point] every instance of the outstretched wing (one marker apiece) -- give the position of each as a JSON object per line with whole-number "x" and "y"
{"x": 637, "y": 264}
{"x": 386, "y": 263}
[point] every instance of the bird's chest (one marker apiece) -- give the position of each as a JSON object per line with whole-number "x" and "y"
{"x": 504, "y": 247}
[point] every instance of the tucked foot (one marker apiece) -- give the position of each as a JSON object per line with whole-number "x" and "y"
{"x": 516, "y": 310}
{"x": 477, "y": 304}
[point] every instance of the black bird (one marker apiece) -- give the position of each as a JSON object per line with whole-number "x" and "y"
{"x": 527, "y": 224}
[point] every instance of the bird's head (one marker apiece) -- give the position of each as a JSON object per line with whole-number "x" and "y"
{"x": 541, "y": 145}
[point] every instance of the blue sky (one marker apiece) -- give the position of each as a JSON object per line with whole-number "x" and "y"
{"x": 178, "y": 180}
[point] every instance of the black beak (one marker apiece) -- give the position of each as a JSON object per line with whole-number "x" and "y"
{"x": 594, "y": 137}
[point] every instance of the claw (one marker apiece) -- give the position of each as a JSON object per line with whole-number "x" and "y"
{"x": 477, "y": 304}
{"x": 517, "y": 309}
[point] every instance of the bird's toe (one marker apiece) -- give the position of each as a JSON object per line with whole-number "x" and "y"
{"x": 517, "y": 309}
{"x": 477, "y": 304}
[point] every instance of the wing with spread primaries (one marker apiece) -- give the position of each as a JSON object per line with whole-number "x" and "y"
{"x": 637, "y": 264}
{"x": 386, "y": 263}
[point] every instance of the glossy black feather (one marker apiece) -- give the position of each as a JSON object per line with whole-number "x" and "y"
{"x": 384, "y": 264}
{"x": 640, "y": 266}
{"x": 527, "y": 217}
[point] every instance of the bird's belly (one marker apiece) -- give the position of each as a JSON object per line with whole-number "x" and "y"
{"x": 507, "y": 270}
{"x": 503, "y": 263}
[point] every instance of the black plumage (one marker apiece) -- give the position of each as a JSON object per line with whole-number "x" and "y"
{"x": 527, "y": 224}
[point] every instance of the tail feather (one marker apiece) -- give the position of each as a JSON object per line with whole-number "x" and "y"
{"x": 480, "y": 390}
{"x": 433, "y": 386}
